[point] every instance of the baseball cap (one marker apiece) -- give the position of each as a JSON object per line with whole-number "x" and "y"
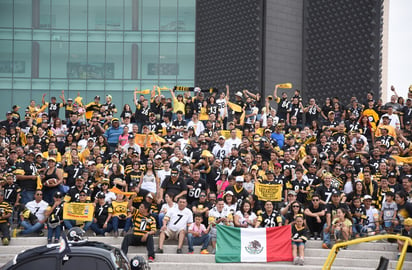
{"x": 115, "y": 119}
{"x": 239, "y": 179}
{"x": 367, "y": 197}
{"x": 101, "y": 195}
{"x": 336, "y": 193}
{"x": 58, "y": 194}
{"x": 221, "y": 137}
{"x": 158, "y": 157}
{"x": 291, "y": 192}
{"x": 97, "y": 97}
{"x": 131, "y": 136}
{"x": 174, "y": 172}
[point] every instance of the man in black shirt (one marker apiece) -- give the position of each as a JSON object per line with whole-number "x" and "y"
{"x": 174, "y": 184}
{"x": 331, "y": 211}
{"x": 28, "y": 179}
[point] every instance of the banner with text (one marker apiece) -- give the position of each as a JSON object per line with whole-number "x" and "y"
{"x": 78, "y": 211}
{"x": 268, "y": 192}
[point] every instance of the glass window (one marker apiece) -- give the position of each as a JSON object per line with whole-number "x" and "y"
{"x": 44, "y": 59}
{"x": 45, "y": 18}
{"x": 168, "y": 15}
{"x": 132, "y": 61}
{"x": 6, "y": 13}
{"x": 97, "y": 15}
{"x": 6, "y": 58}
{"x": 187, "y": 15}
{"x": 59, "y": 59}
{"x": 22, "y": 13}
{"x": 59, "y": 14}
{"x": 78, "y": 14}
{"x": 39, "y": 263}
{"x": 130, "y": 9}
{"x": 167, "y": 69}
{"x": 114, "y": 61}
{"x": 96, "y": 58}
{"x": 6, "y": 101}
{"x": 150, "y": 14}
{"x": 22, "y": 59}
{"x": 186, "y": 60}
{"x": 150, "y": 60}
{"x": 88, "y": 262}
{"x": 77, "y": 65}
{"x": 114, "y": 19}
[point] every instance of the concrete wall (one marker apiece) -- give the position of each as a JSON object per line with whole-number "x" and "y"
{"x": 283, "y": 44}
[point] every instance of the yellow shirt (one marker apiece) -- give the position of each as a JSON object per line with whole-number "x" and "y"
{"x": 178, "y": 106}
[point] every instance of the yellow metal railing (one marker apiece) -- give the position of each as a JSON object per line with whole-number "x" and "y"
{"x": 335, "y": 249}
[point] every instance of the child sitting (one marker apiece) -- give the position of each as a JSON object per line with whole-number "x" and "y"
{"x": 298, "y": 240}
{"x": 198, "y": 235}
{"x": 342, "y": 225}
{"x": 358, "y": 215}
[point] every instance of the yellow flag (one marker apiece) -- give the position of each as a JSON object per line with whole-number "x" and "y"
{"x": 242, "y": 118}
{"x": 284, "y": 85}
{"x": 118, "y": 191}
{"x": 143, "y": 92}
{"x": 268, "y": 192}
{"x": 78, "y": 211}
{"x": 39, "y": 183}
{"x": 78, "y": 100}
{"x": 234, "y": 106}
{"x": 402, "y": 160}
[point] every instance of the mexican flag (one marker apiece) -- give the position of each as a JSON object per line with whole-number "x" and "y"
{"x": 253, "y": 245}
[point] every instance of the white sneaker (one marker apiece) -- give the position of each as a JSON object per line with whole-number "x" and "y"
{"x": 296, "y": 260}
{"x": 301, "y": 261}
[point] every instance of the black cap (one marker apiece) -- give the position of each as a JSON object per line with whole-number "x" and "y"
{"x": 101, "y": 195}
{"x": 58, "y": 194}
{"x": 97, "y": 97}
{"x": 336, "y": 193}
{"x": 360, "y": 141}
{"x": 175, "y": 171}
{"x": 392, "y": 174}
{"x": 168, "y": 129}
{"x": 131, "y": 136}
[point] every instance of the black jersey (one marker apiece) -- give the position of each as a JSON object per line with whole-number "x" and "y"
{"x": 193, "y": 194}
{"x": 29, "y": 168}
{"x": 73, "y": 171}
{"x": 270, "y": 220}
{"x": 73, "y": 194}
{"x": 101, "y": 212}
{"x": 325, "y": 193}
{"x": 11, "y": 192}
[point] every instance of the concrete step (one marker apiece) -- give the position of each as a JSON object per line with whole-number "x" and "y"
{"x": 362, "y": 256}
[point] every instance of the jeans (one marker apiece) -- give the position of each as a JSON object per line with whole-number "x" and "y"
{"x": 48, "y": 194}
{"x": 27, "y": 196}
{"x": 71, "y": 223}
{"x": 356, "y": 227}
{"x": 99, "y": 229}
{"x": 196, "y": 241}
{"x": 136, "y": 240}
{"x": 57, "y": 231}
{"x": 160, "y": 219}
{"x": 29, "y": 228}
{"x": 326, "y": 235}
{"x": 127, "y": 223}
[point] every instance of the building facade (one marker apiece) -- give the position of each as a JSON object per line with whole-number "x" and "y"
{"x": 93, "y": 47}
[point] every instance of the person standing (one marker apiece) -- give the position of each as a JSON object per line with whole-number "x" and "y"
{"x": 5, "y": 214}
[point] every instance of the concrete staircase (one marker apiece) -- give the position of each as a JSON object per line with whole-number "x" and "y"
{"x": 357, "y": 257}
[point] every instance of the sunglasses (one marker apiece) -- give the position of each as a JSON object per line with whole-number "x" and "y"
{"x": 295, "y": 206}
{"x": 39, "y": 194}
{"x": 315, "y": 200}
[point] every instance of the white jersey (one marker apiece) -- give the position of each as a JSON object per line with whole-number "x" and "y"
{"x": 221, "y": 152}
{"x": 162, "y": 174}
{"x": 38, "y": 208}
{"x": 222, "y": 107}
{"x": 214, "y": 214}
{"x": 179, "y": 219}
{"x": 233, "y": 143}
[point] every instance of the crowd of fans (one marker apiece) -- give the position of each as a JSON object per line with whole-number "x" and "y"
{"x": 190, "y": 162}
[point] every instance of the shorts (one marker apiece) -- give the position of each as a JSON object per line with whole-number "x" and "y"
{"x": 172, "y": 234}
{"x": 298, "y": 244}
{"x": 388, "y": 224}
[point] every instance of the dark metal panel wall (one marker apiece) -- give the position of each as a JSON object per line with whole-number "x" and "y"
{"x": 229, "y": 44}
{"x": 342, "y": 48}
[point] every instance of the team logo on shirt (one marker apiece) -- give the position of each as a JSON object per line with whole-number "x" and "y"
{"x": 254, "y": 247}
